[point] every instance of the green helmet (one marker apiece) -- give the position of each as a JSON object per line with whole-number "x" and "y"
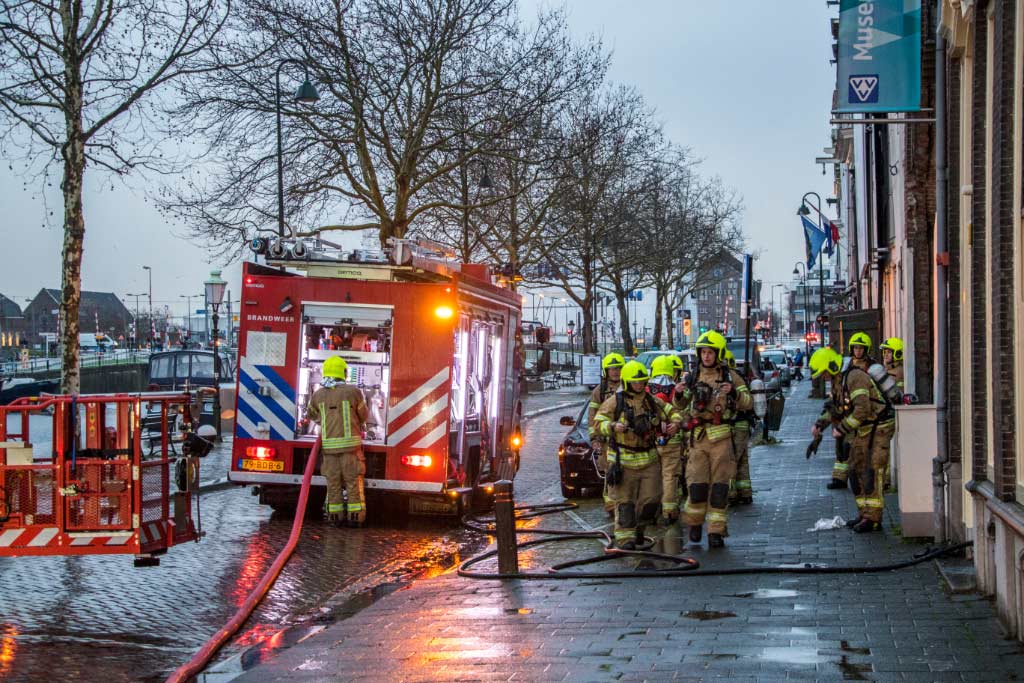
{"x": 712, "y": 340}
{"x": 663, "y": 365}
{"x": 612, "y": 360}
{"x": 634, "y": 371}
{"x": 827, "y": 360}
{"x": 894, "y": 344}
{"x": 861, "y": 339}
{"x": 335, "y": 367}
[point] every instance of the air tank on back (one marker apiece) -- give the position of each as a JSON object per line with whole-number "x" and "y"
{"x": 886, "y": 383}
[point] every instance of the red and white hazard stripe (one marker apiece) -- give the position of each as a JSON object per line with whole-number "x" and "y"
{"x": 420, "y": 419}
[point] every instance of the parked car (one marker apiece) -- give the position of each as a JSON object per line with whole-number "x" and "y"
{"x": 647, "y": 357}
{"x": 184, "y": 370}
{"x": 771, "y": 376}
{"x": 781, "y": 361}
{"x": 577, "y": 462}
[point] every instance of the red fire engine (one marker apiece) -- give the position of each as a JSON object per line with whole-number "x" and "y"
{"x": 433, "y": 344}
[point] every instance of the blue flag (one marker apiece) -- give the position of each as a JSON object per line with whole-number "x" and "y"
{"x": 814, "y": 238}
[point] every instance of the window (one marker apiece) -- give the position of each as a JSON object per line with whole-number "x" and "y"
{"x": 163, "y": 367}
{"x": 202, "y": 366}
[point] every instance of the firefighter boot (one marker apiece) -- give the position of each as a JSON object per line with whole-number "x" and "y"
{"x": 836, "y": 484}
{"x": 716, "y": 541}
{"x": 696, "y": 533}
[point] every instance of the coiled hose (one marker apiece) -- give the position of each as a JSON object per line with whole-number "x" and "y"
{"x": 220, "y": 638}
{"x": 682, "y": 566}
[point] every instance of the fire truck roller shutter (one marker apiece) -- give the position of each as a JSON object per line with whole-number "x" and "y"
{"x": 276, "y": 409}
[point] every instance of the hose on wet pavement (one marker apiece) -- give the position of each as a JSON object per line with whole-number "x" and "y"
{"x": 199, "y": 661}
{"x": 681, "y": 565}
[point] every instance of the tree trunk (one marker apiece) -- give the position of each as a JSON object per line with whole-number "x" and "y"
{"x": 670, "y": 326}
{"x": 659, "y": 301}
{"x": 627, "y": 338}
{"x": 589, "y": 342}
{"x": 73, "y": 153}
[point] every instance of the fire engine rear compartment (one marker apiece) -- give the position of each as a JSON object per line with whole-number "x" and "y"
{"x": 434, "y": 361}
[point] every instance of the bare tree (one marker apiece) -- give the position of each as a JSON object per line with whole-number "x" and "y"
{"x": 78, "y": 88}
{"x": 411, "y": 92}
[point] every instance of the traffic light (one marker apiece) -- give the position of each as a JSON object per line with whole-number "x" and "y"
{"x": 703, "y": 329}
{"x": 686, "y": 327}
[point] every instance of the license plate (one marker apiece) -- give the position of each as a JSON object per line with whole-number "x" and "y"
{"x": 263, "y": 465}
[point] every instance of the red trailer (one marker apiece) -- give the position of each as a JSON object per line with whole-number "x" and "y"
{"x": 433, "y": 344}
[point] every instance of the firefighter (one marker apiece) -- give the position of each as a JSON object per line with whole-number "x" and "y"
{"x": 631, "y": 421}
{"x": 892, "y": 359}
{"x": 665, "y": 371}
{"x": 860, "y": 350}
{"x": 611, "y": 367}
{"x": 863, "y": 410}
{"x": 714, "y": 394}
{"x": 341, "y": 412}
{"x": 740, "y": 489}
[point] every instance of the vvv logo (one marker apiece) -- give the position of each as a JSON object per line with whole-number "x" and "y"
{"x": 864, "y": 88}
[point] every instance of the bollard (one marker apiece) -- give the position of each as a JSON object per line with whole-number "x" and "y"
{"x": 505, "y": 527}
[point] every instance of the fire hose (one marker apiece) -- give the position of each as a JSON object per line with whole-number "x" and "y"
{"x": 681, "y": 565}
{"x": 199, "y": 661}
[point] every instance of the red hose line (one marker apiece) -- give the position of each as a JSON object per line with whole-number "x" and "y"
{"x": 199, "y": 661}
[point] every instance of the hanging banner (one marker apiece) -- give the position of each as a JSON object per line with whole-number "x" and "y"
{"x": 879, "y": 56}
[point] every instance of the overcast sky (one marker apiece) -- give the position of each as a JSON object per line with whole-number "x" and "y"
{"x": 746, "y": 84}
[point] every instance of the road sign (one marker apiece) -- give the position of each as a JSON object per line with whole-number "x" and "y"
{"x": 591, "y": 370}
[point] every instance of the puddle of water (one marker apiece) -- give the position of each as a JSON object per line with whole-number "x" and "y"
{"x": 705, "y": 615}
{"x": 767, "y": 594}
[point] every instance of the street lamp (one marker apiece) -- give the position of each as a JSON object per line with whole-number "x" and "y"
{"x": 214, "y": 295}
{"x": 797, "y": 271}
{"x": 306, "y": 94}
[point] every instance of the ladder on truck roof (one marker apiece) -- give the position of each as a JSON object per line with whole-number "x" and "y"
{"x": 94, "y": 489}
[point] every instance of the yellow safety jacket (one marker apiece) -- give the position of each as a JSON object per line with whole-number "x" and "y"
{"x": 341, "y": 412}
{"x": 724, "y": 406}
{"x": 863, "y": 404}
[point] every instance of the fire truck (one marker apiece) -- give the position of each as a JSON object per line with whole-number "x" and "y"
{"x": 434, "y": 345}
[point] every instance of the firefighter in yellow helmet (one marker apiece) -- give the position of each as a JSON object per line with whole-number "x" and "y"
{"x": 611, "y": 367}
{"x": 860, "y": 351}
{"x": 631, "y": 421}
{"x": 862, "y": 410}
{"x": 740, "y": 489}
{"x": 831, "y": 415}
{"x": 341, "y": 411}
{"x": 665, "y": 373}
{"x": 892, "y": 359}
{"x": 715, "y": 394}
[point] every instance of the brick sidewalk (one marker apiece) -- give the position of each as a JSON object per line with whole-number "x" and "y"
{"x": 885, "y": 626}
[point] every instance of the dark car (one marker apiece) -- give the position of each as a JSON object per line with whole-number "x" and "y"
{"x": 577, "y": 461}
{"x": 183, "y": 370}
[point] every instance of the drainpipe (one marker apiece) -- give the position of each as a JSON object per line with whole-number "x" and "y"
{"x": 941, "y": 461}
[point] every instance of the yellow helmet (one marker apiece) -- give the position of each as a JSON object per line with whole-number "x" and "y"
{"x": 827, "y": 360}
{"x": 634, "y": 371}
{"x": 335, "y": 367}
{"x": 861, "y": 339}
{"x": 612, "y": 360}
{"x": 712, "y": 340}
{"x": 677, "y": 363}
{"x": 894, "y": 344}
{"x": 730, "y": 358}
{"x": 663, "y": 365}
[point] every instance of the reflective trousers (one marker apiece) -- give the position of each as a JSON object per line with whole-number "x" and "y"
{"x": 841, "y": 467}
{"x": 344, "y": 471}
{"x": 601, "y": 452}
{"x": 636, "y": 500}
{"x": 868, "y": 461}
{"x": 741, "y": 487}
{"x": 671, "y": 456}
{"x": 710, "y": 465}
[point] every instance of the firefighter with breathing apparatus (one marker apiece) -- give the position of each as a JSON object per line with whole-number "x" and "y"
{"x": 892, "y": 361}
{"x": 341, "y": 411}
{"x": 860, "y": 351}
{"x": 863, "y": 409}
{"x": 611, "y": 367}
{"x": 665, "y": 373}
{"x": 714, "y": 395}
{"x": 632, "y": 421}
{"x": 741, "y": 491}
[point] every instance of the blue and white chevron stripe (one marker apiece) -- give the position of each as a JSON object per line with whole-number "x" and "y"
{"x": 277, "y": 410}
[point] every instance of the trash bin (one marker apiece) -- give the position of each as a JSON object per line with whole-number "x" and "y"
{"x": 773, "y": 416}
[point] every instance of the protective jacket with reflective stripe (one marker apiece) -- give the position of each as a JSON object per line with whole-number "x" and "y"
{"x": 633, "y": 450}
{"x": 863, "y": 401}
{"x": 341, "y": 412}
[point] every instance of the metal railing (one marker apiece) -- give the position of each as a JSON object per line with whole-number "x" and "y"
{"x": 18, "y": 368}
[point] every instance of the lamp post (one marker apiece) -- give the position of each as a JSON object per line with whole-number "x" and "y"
{"x": 306, "y": 94}
{"x": 804, "y": 211}
{"x": 152, "y": 323}
{"x": 797, "y": 271}
{"x": 571, "y": 326}
{"x": 214, "y": 295}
